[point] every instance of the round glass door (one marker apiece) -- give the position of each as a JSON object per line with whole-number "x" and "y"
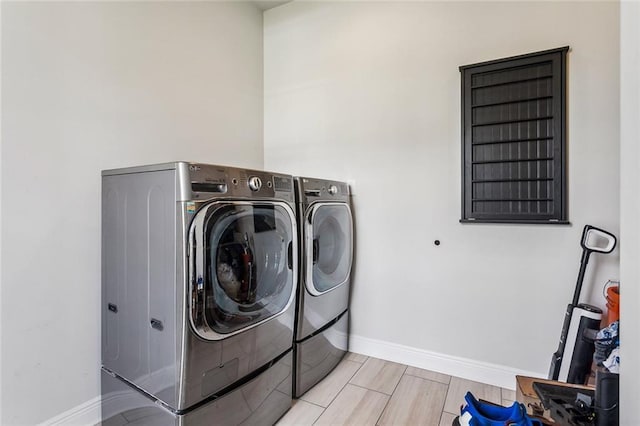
{"x": 329, "y": 246}
{"x": 244, "y": 267}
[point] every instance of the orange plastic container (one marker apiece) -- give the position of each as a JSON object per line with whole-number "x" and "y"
{"x": 613, "y": 304}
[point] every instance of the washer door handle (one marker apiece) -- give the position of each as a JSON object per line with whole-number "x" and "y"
{"x": 290, "y": 255}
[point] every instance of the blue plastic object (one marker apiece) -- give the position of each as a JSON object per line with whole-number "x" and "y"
{"x": 477, "y": 413}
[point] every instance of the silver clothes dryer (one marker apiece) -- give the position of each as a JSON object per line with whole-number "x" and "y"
{"x": 326, "y": 244}
{"x": 199, "y": 274}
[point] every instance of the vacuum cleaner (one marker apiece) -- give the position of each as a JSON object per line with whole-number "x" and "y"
{"x": 572, "y": 361}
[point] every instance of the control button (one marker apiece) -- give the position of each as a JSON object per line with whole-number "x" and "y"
{"x": 333, "y": 190}
{"x": 255, "y": 183}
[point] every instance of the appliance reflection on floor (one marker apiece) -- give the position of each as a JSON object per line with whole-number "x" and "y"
{"x": 255, "y": 401}
{"x": 391, "y": 393}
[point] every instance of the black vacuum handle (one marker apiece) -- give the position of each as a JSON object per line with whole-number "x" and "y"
{"x": 587, "y": 233}
{"x": 590, "y": 231}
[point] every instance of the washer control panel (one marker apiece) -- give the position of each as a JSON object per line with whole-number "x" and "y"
{"x": 209, "y": 181}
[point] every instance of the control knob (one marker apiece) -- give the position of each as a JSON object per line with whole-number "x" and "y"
{"x": 333, "y": 190}
{"x": 255, "y": 183}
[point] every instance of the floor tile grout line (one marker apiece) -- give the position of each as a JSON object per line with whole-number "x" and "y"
{"x": 356, "y": 372}
{"x": 366, "y": 358}
{"x": 383, "y": 409}
{"x": 430, "y": 371}
{"x": 442, "y": 413}
{"x": 424, "y": 378}
{"x": 391, "y": 396}
{"x": 380, "y": 393}
{"x": 371, "y": 390}
{"x": 437, "y": 381}
{"x": 288, "y": 411}
{"x": 343, "y": 386}
{"x": 434, "y": 382}
{"x": 318, "y": 418}
{"x": 396, "y": 386}
{"x": 355, "y": 386}
{"x": 341, "y": 389}
{"x": 446, "y": 397}
{"x": 312, "y": 403}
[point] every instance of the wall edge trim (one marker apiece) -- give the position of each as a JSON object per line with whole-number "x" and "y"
{"x": 469, "y": 369}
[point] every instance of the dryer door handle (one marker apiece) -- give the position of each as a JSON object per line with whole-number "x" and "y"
{"x": 316, "y": 251}
{"x": 290, "y": 255}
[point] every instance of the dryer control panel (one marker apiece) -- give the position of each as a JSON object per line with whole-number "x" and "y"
{"x": 310, "y": 190}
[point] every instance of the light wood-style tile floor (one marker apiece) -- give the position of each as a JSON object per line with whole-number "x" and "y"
{"x": 369, "y": 391}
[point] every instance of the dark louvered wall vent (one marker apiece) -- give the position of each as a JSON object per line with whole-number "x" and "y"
{"x": 513, "y": 139}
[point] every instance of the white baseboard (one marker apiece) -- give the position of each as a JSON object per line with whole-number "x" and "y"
{"x": 84, "y": 414}
{"x": 484, "y": 372}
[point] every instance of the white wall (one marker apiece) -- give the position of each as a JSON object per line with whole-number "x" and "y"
{"x": 630, "y": 212}
{"x": 85, "y": 87}
{"x": 370, "y": 92}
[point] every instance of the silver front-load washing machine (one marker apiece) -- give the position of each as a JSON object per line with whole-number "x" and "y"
{"x": 326, "y": 243}
{"x": 199, "y": 274}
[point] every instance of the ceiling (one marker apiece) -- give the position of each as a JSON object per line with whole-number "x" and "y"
{"x": 269, "y": 4}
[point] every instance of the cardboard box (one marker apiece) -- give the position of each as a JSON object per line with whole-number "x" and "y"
{"x": 527, "y": 396}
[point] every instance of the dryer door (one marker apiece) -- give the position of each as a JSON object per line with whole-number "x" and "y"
{"x": 329, "y": 246}
{"x": 242, "y": 264}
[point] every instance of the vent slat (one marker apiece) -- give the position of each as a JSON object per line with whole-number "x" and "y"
{"x": 545, "y": 138}
{"x": 521, "y": 120}
{"x": 517, "y": 101}
{"x": 505, "y": 83}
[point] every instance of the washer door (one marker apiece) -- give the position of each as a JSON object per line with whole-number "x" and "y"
{"x": 243, "y": 265}
{"x": 329, "y": 246}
